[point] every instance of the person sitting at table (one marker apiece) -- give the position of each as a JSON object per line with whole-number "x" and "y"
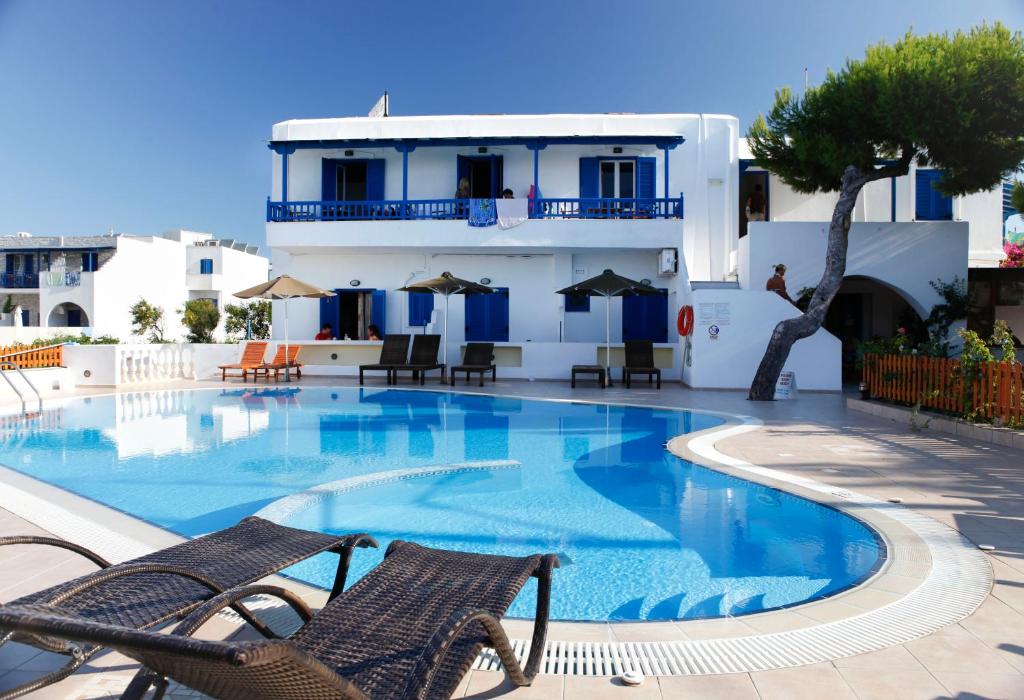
{"x": 373, "y": 333}
{"x": 507, "y": 194}
{"x": 325, "y": 333}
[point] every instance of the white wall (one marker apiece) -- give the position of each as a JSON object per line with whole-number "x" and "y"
{"x": 745, "y": 320}
{"x": 904, "y": 256}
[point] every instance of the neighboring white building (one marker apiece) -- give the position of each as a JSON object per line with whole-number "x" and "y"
{"x": 91, "y": 282}
{"x": 364, "y": 206}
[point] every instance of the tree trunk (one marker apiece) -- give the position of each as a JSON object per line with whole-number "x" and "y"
{"x": 793, "y": 329}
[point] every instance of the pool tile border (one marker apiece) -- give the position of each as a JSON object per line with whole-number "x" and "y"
{"x": 932, "y": 577}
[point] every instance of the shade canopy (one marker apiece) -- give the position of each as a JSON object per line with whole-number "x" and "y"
{"x": 446, "y": 284}
{"x": 608, "y": 284}
{"x": 283, "y": 287}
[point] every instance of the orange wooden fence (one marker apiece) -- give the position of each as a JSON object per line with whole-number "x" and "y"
{"x": 937, "y": 383}
{"x": 27, "y": 357}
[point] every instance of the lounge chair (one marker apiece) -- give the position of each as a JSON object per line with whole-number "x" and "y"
{"x": 279, "y": 363}
{"x": 410, "y": 628}
{"x": 479, "y": 357}
{"x": 422, "y": 359}
{"x": 252, "y": 359}
{"x": 170, "y": 583}
{"x": 597, "y": 370}
{"x": 640, "y": 360}
{"x": 394, "y": 352}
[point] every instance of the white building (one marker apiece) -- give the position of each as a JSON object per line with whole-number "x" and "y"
{"x": 91, "y": 282}
{"x": 366, "y": 205}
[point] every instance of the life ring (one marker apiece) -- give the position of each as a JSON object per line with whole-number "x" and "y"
{"x": 684, "y": 323}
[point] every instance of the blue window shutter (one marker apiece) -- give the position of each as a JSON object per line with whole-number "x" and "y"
{"x": 330, "y": 312}
{"x": 375, "y": 181}
{"x": 378, "y": 315}
{"x": 29, "y": 265}
{"x": 588, "y": 178}
{"x": 646, "y": 180}
{"x": 10, "y": 264}
{"x": 420, "y": 308}
{"x": 499, "y": 315}
{"x": 26, "y": 317}
{"x": 329, "y": 179}
{"x": 645, "y": 318}
{"x": 206, "y": 266}
{"x": 487, "y": 316}
{"x": 943, "y": 206}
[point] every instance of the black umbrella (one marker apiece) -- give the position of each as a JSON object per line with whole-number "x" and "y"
{"x": 608, "y": 285}
{"x": 447, "y": 284}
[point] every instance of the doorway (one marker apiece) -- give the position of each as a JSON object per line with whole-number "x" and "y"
{"x": 485, "y": 175}
{"x": 351, "y": 312}
{"x": 753, "y": 187}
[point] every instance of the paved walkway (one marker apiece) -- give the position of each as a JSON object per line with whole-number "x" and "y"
{"x": 975, "y": 488}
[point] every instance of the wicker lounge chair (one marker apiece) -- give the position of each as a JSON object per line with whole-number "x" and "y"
{"x": 394, "y": 352}
{"x": 640, "y": 360}
{"x": 169, "y": 583}
{"x": 252, "y": 359}
{"x": 479, "y": 357}
{"x": 410, "y": 628}
{"x": 422, "y": 359}
{"x": 279, "y": 363}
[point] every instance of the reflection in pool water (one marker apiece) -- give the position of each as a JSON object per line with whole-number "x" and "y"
{"x": 642, "y": 534}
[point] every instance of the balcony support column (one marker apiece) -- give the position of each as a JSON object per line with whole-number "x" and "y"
{"x": 536, "y": 147}
{"x": 405, "y": 149}
{"x": 284, "y": 152}
{"x": 664, "y": 150}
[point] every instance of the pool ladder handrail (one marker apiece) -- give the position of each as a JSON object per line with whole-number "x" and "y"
{"x": 8, "y": 365}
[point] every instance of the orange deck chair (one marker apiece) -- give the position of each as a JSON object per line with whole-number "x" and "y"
{"x": 279, "y": 363}
{"x": 252, "y": 360}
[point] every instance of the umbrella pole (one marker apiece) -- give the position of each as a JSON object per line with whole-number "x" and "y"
{"x": 287, "y": 364}
{"x": 444, "y": 372}
{"x": 608, "y": 339}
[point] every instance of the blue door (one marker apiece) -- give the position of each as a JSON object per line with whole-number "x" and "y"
{"x": 931, "y": 205}
{"x": 330, "y": 312}
{"x": 26, "y": 317}
{"x": 378, "y": 309}
{"x": 646, "y": 317}
{"x": 487, "y": 316}
{"x": 421, "y": 306}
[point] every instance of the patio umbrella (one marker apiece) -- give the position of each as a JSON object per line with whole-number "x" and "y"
{"x": 446, "y": 285}
{"x": 284, "y": 287}
{"x": 608, "y": 285}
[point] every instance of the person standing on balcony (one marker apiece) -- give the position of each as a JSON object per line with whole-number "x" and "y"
{"x": 777, "y": 283}
{"x": 755, "y": 205}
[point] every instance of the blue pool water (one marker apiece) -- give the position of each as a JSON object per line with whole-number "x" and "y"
{"x": 642, "y": 534}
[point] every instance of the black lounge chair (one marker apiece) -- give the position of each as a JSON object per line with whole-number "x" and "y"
{"x": 422, "y": 359}
{"x": 410, "y": 628}
{"x": 479, "y": 357}
{"x": 640, "y": 360}
{"x": 170, "y": 583}
{"x": 394, "y": 352}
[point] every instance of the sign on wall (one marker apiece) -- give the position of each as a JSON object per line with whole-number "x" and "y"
{"x": 786, "y": 386}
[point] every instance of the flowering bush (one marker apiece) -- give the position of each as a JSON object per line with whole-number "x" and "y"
{"x": 1014, "y": 255}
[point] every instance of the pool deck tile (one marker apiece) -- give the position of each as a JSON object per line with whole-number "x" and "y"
{"x": 977, "y": 488}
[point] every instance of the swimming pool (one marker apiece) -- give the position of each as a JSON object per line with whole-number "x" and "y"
{"x": 642, "y": 534}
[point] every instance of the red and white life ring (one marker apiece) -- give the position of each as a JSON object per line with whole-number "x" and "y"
{"x": 684, "y": 323}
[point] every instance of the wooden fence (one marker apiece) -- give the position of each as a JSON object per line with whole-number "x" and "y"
{"x": 937, "y": 383}
{"x": 27, "y": 357}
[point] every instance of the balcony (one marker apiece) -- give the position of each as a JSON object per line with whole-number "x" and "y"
{"x": 19, "y": 280}
{"x": 55, "y": 279}
{"x": 453, "y": 209}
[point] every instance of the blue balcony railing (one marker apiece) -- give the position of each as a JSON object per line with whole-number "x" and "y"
{"x": 435, "y": 209}
{"x": 19, "y": 280}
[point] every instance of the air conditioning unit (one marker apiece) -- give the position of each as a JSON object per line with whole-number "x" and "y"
{"x": 668, "y": 261}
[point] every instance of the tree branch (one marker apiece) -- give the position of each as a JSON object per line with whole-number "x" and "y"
{"x": 899, "y": 168}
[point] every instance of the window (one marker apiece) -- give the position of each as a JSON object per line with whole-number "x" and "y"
{"x": 646, "y": 317}
{"x": 90, "y": 262}
{"x": 206, "y": 266}
{"x": 618, "y": 178}
{"x": 577, "y": 303}
{"x": 421, "y": 306}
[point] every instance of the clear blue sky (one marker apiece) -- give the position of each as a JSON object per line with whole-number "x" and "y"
{"x": 147, "y": 116}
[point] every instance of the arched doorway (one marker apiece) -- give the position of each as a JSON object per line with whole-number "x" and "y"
{"x": 67, "y": 315}
{"x": 863, "y": 309}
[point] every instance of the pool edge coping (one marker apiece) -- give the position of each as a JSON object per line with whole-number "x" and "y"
{"x": 961, "y": 574}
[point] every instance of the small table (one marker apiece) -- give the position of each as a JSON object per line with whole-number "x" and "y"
{"x": 589, "y": 369}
